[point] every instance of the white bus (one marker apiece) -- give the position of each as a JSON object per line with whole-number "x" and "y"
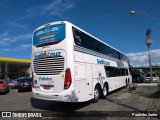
{"x": 71, "y": 65}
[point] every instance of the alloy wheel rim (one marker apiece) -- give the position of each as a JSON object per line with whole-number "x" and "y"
{"x": 96, "y": 93}
{"x": 104, "y": 91}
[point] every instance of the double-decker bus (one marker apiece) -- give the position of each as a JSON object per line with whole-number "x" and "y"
{"x": 71, "y": 65}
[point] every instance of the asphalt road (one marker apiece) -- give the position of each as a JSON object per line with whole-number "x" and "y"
{"x": 121, "y": 100}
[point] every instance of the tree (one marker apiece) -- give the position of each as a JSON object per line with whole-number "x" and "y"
{"x": 158, "y": 73}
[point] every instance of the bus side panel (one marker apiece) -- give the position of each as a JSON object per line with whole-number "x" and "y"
{"x": 99, "y": 75}
{"x": 80, "y": 91}
{"x": 112, "y": 83}
{"x": 80, "y": 81}
{"x": 79, "y": 71}
{"x": 89, "y": 83}
{"x": 79, "y": 57}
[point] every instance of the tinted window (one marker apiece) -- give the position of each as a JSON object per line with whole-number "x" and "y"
{"x": 148, "y": 75}
{"x": 1, "y": 82}
{"x": 117, "y": 72}
{"x": 109, "y": 71}
{"x": 124, "y": 72}
{"x": 25, "y": 80}
{"x": 86, "y": 41}
{"x": 114, "y": 72}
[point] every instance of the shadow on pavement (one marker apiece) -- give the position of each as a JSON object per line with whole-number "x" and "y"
{"x": 148, "y": 92}
{"x": 57, "y": 106}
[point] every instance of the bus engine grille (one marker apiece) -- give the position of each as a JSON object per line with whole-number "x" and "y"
{"x": 49, "y": 66}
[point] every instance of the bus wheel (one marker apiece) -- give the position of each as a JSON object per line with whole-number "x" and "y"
{"x": 126, "y": 83}
{"x": 104, "y": 91}
{"x": 96, "y": 94}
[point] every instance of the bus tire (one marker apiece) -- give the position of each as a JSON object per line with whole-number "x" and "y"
{"x": 104, "y": 92}
{"x": 126, "y": 83}
{"x": 96, "y": 94}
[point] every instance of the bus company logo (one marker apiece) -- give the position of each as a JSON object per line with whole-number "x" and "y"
{"x": 46, "y": 55}
{"x": 39, "y": 33}
{"x": 102, "y": 62}
{"x": 47, "y": 30}
{"x": 54, "y": 29}
{"x": 45, "y": 78}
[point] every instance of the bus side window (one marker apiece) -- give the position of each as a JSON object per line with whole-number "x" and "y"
{"x": 116, "y": 72}
{"x": 124, "y": 72}
{"x": 76, "y": 34}
{"x": 109, "y": 71}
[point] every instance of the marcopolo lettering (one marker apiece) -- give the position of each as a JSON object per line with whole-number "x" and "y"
{"x": 45, "y": 78}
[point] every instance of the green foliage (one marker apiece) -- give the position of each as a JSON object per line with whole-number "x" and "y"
{"x": 136, "y": 71}
{"x": 158, "y": 73}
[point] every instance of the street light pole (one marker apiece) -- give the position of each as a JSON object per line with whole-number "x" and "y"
{"x": 150, "y": 65}
{"x": 134, "y": 12}
{"x": 148, "y": 42}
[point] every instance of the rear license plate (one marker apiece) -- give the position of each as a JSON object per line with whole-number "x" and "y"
{"x": 47, "y": 87}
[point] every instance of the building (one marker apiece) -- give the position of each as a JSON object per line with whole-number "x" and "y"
{"x": 12, "y": 68}
{"x": 147, "y": 69}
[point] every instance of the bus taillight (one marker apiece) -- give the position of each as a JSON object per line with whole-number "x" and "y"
{"x": 68, "y": 79}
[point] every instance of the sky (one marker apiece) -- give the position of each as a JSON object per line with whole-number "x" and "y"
{"x": 108, "y": 20}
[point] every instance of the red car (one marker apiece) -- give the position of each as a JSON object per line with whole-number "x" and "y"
{"x": 4, "y": 86}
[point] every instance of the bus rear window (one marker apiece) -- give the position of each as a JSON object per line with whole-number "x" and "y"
{"x": 49, "y": 35}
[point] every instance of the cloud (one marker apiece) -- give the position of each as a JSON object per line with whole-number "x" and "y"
{"x": 6, "y": 50}
{"x": 55, "y": 8}
{"x": 7, "y": 39}
{"x": 17, "y": 48}
{"x": 140, "y": 59}
{"x": 17, "y": 24}
{"x": 24, "y": 46}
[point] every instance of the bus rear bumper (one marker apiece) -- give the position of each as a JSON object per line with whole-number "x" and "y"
{"x": 53, "y": 97}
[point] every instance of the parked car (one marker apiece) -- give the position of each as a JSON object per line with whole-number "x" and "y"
{"x": 25, "y": 84}
{"x": 12, "y": 83}
{"x": 4, "y": 86}
{"x": 154, "y": 77}
{"x": 137, "y": 78}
